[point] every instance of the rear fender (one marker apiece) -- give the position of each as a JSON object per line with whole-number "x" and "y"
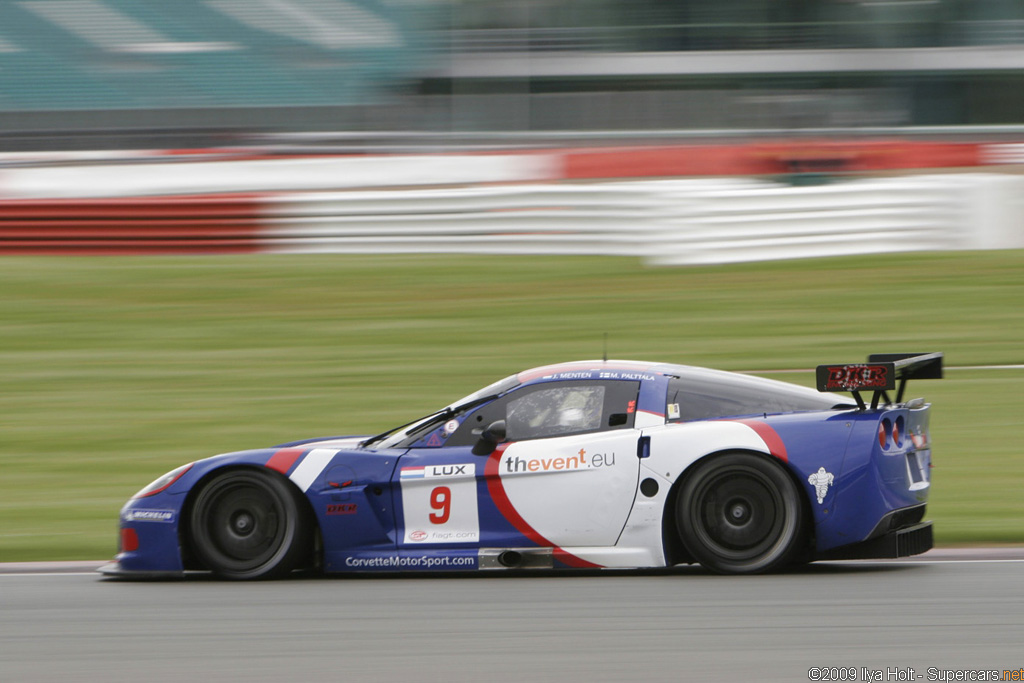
{"x": 672, "y": 449}
{"x": 878, "y": 478}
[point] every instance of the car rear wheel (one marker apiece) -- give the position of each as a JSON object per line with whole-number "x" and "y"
{"x": 246, "y": 524}
{"x": 740, "y": 513}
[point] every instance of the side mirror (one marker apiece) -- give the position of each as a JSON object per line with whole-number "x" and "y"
{"x": 495, "y": 432}
{"x": 490, "y": 436}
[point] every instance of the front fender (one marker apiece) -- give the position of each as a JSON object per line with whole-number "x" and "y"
{"x": 151, "y": 525}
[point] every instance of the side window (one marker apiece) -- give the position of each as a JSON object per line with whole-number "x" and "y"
{"x": 556, "y": 409}
{"x": 697, "y": 398}
{"x": 689, "y": 400}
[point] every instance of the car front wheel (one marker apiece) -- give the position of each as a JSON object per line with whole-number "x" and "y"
{"x": 246, "y": 524}
{"x": 740, "y": 513}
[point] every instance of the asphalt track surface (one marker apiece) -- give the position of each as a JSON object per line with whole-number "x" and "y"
{"x": 944, "y": 613}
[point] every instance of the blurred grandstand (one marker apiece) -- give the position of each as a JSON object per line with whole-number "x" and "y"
{"x": 87, "y": 74}
{"x": 99, "y": 72}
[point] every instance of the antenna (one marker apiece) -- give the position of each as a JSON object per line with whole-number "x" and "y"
{"x": 605, "y": 347}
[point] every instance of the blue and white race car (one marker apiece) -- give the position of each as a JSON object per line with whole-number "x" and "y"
{"x": 591, "y": 464}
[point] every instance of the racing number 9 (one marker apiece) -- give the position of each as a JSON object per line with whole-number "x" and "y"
{"x": 428, "y": 512}
{"x": 441, "y": 502}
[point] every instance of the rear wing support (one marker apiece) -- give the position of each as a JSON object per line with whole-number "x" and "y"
{"x": 879, "y": 375}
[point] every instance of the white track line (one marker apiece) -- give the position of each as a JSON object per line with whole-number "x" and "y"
{"x": 877, "y": 561}
{"x": 948, "y": 367}
{"x": 6, "y": 575}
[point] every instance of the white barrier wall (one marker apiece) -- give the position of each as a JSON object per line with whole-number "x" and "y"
{"x": 164, "y": 177}
{"x": 668, "y": 222}
{"x": 996, "y": 203}
{"x": 605, "y": 218}
{"x": 868, "y": 216}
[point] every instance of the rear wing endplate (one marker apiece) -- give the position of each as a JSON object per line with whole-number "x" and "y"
{"x": 880, "y": 375}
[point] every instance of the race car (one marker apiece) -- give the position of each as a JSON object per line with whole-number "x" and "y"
{"x": 588, "y": 464}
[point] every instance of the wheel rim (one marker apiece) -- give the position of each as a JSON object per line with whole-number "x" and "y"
{"x": 739, "y": 514}
{"x": 242, "y": 524}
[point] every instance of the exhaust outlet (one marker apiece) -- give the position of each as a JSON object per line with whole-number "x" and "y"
{"x": 517, "y": 558}
{"x": 510, "y": 559}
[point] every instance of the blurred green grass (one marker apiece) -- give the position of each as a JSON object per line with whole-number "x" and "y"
{"x": 115, "y": 369}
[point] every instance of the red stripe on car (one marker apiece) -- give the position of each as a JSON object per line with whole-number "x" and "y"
{"x": 500, "y": 498}
{"x": 770, "y": 437}
{"x": 284, "y": 459}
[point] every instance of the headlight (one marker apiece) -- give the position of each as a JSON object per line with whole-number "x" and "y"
{"x": 163, "y": 482}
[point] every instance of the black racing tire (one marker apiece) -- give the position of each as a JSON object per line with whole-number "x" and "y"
{"x": 247, "y": 524}
{"x": 740, "y": 513}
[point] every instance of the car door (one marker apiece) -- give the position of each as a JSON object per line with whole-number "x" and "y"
{"x": 567, "y": 472}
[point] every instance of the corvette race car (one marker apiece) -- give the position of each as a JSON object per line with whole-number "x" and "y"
{"x": 591, "y": 464}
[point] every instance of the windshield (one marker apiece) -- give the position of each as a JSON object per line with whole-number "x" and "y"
{"x": 401, "y": 436}
{"x": 496, "y": 389}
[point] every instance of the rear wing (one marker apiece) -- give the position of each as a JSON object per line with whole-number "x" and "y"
{"x": 880, "y": 375}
